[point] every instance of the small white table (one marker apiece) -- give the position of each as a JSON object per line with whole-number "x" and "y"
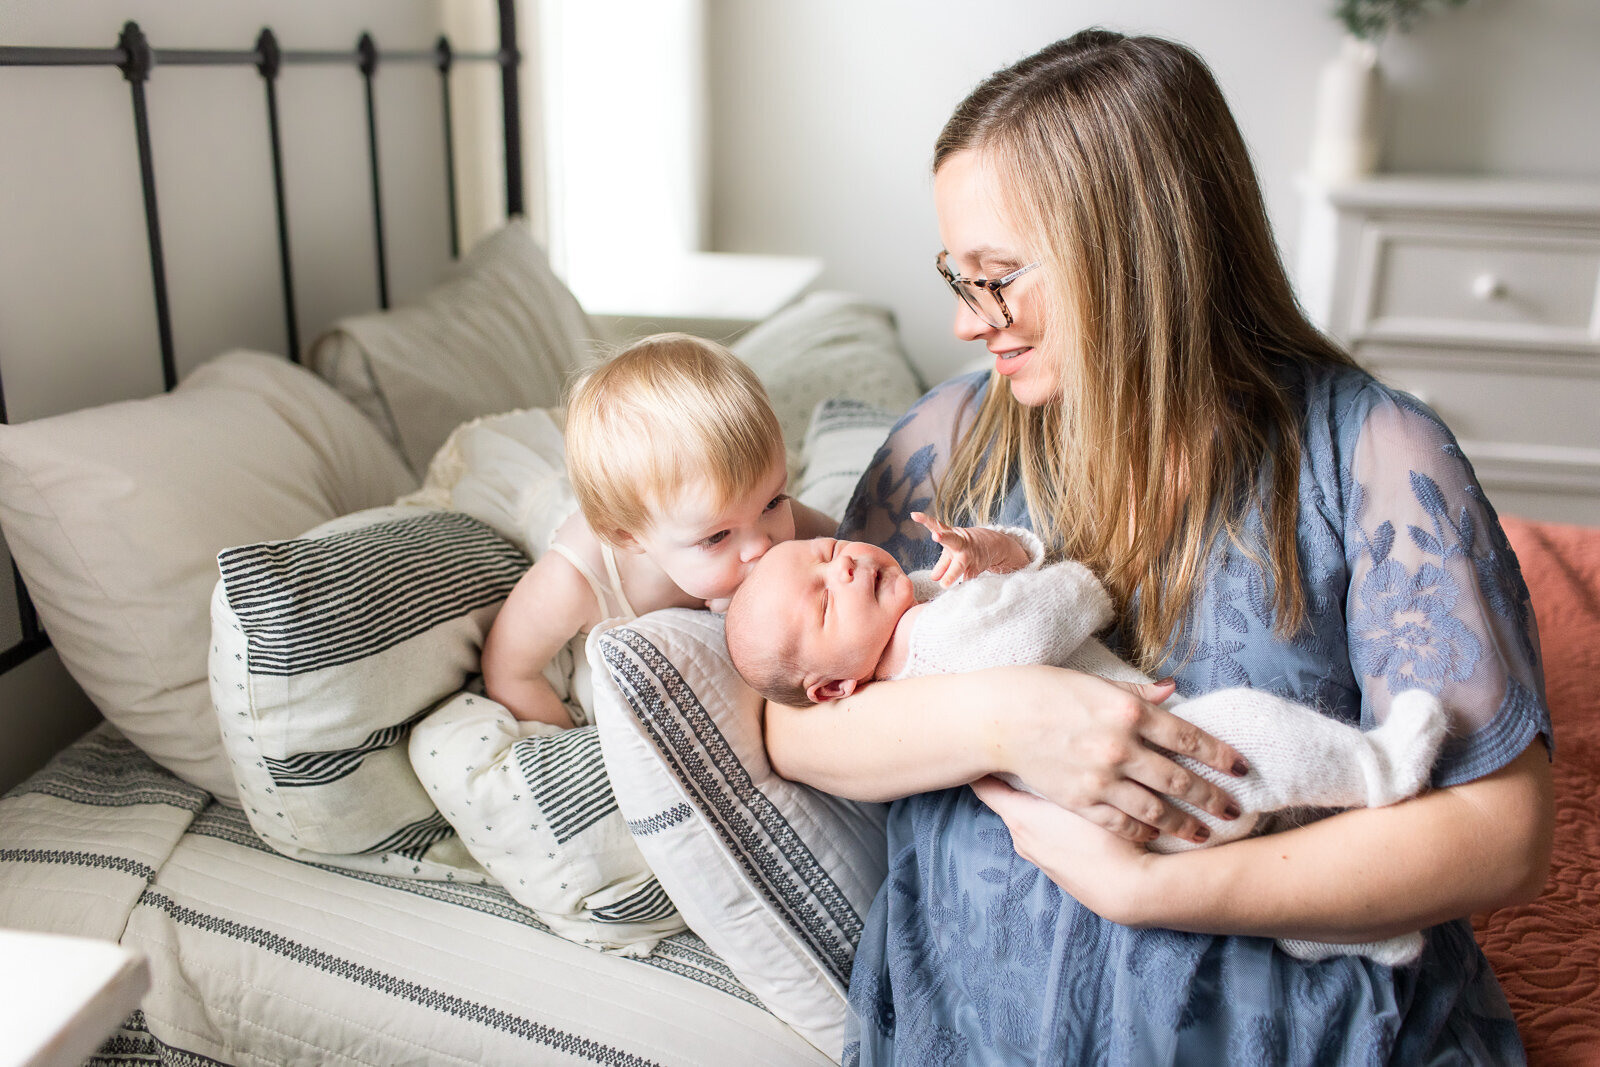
{"x": 61, "y": 997}
{"x": 717, "y": 295}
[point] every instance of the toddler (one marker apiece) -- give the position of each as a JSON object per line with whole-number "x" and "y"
{"x": 818, "y": 619}
{"x": 677, "y": 462}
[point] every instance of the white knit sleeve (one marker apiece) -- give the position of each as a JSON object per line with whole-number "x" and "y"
{"x": 993, "y": 620}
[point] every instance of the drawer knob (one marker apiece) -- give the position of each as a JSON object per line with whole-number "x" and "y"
{"x": 1488, "y": 287}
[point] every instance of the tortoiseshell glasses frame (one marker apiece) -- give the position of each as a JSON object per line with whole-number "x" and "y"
{"x": 982, "y": 295}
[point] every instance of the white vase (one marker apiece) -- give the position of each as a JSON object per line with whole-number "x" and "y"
{"x": 1345, "y": 139}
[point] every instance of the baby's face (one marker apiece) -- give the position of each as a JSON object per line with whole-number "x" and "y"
{"x": 707, "y": 549}
{"x": 840, "y": 602}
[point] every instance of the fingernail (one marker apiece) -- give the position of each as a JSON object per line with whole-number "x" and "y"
{"x": 1240, "y": 768}
{"x": 1231, "y": 811}
{"x": 1202, "y": 835}
{"x": 1168, "y": 680}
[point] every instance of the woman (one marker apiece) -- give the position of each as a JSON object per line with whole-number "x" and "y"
{"x": 1264, "y": 513}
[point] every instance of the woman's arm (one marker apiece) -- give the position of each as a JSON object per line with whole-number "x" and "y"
{"x": 1361, "y": 875}
{"x": 1078, "y": 739}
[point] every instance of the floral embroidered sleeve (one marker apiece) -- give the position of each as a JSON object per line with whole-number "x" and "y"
{"x": 1436, "y": 601}
{"x": 903, "y": 474}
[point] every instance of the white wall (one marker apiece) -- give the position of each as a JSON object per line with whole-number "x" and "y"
{"x": 77, "y": 324}
{"x": 824, "y": 113}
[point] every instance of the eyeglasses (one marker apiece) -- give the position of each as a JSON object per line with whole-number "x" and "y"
{"x": 982, "y": 295}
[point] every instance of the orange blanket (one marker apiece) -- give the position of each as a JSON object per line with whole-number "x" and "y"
{"x": 1547, "y": 954}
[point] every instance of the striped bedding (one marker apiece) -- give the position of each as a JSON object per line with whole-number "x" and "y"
{"x": 261, "y": 959}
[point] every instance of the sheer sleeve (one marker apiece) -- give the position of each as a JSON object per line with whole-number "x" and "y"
{"x": 903, "y": 474}
{"x": 1436, "y": 600}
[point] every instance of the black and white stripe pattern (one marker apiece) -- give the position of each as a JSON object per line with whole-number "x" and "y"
{"x": 402, "y": 989}
{"x": 648, "y": 904}
{"x": 781, "y": 867}
{"x": 664, "y": 820}
{"x": 105, "y": 769}
{"x": 568, "y": 777}
{"x": 309, "y": 604}
{"x": 320, "y": 768}
{"x": 413, "y": 840}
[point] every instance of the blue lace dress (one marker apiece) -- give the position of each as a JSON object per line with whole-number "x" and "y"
{"x": 972, "y": 956}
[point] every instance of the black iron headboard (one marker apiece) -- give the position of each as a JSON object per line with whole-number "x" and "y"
{"x": 137, "y": 58}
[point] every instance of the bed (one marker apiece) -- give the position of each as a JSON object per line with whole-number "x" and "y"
{"x": 298, "y": 897}
{"x": 297, "y": 894}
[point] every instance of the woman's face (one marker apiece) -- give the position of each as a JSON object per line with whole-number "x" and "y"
{"x": 982, "y": 244}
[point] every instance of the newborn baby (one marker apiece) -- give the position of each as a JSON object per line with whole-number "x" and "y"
{"x": 818, "y": 619}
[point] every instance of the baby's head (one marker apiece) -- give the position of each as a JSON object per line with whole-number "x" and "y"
{"x": 674, "y": 451}
{"x": 813, "y": 619}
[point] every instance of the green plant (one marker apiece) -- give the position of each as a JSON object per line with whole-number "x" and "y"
{"x": 1369, "y": 20}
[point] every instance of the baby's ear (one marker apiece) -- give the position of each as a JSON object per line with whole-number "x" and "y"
{"x": 832, "y": 689}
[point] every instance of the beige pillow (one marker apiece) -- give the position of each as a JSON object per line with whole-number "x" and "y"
{"x": 775, "y": 877}
{"x": 500, "y": 332}
{"x": 830, "y": 344}
{"x": 115, "y": 516}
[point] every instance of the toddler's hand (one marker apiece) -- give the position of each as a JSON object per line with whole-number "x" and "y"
{"x": 971, "y": 550}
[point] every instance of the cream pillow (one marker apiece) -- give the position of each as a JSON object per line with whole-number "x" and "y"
{"x": 830, "y": 344}
{"x": 325, "y": 650}
{"x": 774, "y": 876}
{"x": 115, "y": 515}
{"x": 501, "y": 331}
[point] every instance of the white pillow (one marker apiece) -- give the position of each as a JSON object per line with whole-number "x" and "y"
{"x": 843, "y": 437}
{"x": 829, "y": 344}
{"x": 500, "y": 331}
{"x": 532, "y": 804}
{"x": 325, "y": 649}
{"x": 508, "y": 470}
{"x": 776, "y": 877}
{"x": 115, "y": 515}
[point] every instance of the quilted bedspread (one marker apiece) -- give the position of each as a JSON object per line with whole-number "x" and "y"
{"x": 1547, "y": 953}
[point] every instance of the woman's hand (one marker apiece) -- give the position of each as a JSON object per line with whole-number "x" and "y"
{"x": 1079, "y": 740}
{"x": 1105, "y": 873}
{"x": 1360, "y": 875}
{"x": 1085, "y": 743}
{"x": 971, "y": 550}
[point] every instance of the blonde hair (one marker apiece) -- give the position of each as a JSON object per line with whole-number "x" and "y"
{"x": 1169, "y": 324}
{"x": 665, "y": 413}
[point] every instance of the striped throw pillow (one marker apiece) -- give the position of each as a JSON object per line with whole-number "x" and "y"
{"x": 774, "y": 876}
{"x": 325, "y": 650}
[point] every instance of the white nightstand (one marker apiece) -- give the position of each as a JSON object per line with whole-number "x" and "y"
{"x": 61, "y": 997}
{"x": 1481, "y": 296}
{"x": 711, "y": 294}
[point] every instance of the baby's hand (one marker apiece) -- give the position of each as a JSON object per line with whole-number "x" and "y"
{"x": 971, "y": 550}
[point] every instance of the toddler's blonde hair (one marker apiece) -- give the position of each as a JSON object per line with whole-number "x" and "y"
{"x": 668, "y": 412}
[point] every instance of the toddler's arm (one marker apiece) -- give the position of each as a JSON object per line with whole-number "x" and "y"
{"x": 549, "y": 604}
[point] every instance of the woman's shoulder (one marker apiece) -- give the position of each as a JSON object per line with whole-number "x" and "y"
{"x": 950, "y": 398}
{"x": 1350, "y": 412}
{"x": 932, "y": 424}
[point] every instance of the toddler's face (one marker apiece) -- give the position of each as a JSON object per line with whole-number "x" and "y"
{"x": 840, "y": 599}
{"x": 708, "y": 550}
